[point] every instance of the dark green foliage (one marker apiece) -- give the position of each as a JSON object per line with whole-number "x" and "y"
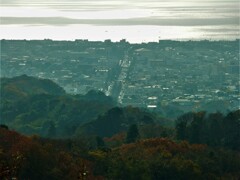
{"x": 182, "y": 125}
{"x": 213, "y": 129}
{"x": 100, "y": 142}
{"x": 98, "y": 96}
{"x": 23, "y": 86}
{"x": 147, "y": 119}
{"x": 51, "y": 130}
{"x": 197, "y": 128}
{"x": 44, "y": 103}
{"x": 118, "y": 120}
{"x": 216, "y": 129}
{"x": 132, "y": 134}
{"x": 3, "y": 126}
{"x": 66, "y": 112}
{"x": 231, "y": 137}
{"x": 105, "y": 125}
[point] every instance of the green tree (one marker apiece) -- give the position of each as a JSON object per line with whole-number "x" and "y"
{"x": 197, "y": 133}
{"x": 132, "y": 134}
{"x": 3, "y": 126}
{"x": 182, "y": 125}
{"x": 216, "y": 129}
{"x": 100, "y": 142}
{"x": 51, "y": 130}
{"x": 232, "y": 130}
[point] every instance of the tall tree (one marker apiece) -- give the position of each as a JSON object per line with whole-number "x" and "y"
{"x": 232, "y": 130}
{"x": 132, "y": 134}
{"x": 182, "y": 125}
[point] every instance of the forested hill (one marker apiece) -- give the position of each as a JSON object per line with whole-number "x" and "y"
{"x": 41, "y": 107}
{"x": 23, "y": 86}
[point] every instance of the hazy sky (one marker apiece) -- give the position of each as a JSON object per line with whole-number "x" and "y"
{"x": 135, "y": 20}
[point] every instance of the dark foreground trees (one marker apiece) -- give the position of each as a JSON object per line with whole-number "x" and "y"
{"x": 213, "y": 129}
{"x": 156, "y": 158}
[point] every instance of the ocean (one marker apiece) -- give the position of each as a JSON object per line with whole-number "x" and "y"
{"x": 135, "y": 20}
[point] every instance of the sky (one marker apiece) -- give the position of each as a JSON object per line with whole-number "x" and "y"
{"x": 135, "y": 20}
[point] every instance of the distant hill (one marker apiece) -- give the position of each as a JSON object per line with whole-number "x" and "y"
{"x": 50, "y": 115}
{"x": 39, "y": 106}
{"x": 23, "y": 86}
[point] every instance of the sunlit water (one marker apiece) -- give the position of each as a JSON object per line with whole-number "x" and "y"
{"x": 136, "y": 34}
{"x": 137, "y": 21}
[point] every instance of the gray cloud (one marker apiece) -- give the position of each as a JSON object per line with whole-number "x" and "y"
{"x": 114, "y": 22}
{"x": 216, "y": 12}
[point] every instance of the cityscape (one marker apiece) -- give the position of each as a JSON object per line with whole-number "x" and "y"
{"x": 187, "y": 75}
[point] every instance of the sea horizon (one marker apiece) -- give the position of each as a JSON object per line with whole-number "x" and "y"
{"x": 135, "y": 21}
